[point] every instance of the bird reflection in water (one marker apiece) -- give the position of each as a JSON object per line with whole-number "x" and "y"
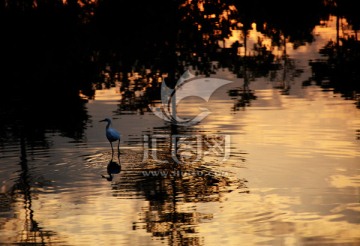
{"x": 112, "y": 135}
{"x": 112, "y": 168}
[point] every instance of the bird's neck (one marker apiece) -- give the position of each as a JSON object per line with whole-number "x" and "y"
{"x": 108, "y": 125}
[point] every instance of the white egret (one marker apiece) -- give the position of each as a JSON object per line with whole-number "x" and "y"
{"x": 112, "y": 135}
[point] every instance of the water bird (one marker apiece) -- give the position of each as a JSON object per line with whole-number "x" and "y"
{"x": 112, "y": 135}
{"x": 112, "y": 168}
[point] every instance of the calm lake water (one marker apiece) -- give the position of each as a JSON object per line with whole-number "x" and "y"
{"x": 279, "y": 169}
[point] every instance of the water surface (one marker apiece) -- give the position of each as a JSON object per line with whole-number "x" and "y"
{"x": 291, "y": 178}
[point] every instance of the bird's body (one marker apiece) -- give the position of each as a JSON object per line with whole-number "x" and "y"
{"x": 112, "y": 135}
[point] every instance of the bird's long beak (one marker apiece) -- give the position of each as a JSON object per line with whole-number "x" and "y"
{"x": 101, "y": 120}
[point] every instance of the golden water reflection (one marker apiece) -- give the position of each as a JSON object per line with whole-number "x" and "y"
{"x": 292, "y": 171}
{"x": 292, "y": 177}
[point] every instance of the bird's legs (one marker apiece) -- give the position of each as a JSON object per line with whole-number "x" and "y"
{"x": 119, "y": 150}
{"x": 112, "y": 151}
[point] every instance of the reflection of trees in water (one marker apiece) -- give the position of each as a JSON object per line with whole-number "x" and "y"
{"x": 340, "y": 67}
{"x": 203, "y": 52}
{"x": 26, "y": 119}
{"x": 138, "y": 90}
{"x": 164, "y": 217}
{"x": 36, "y": 109}
{"x": 86, "y": 35}
{"x": 205, "y": 25}
{"x": 171, "y": 186}
{"x": 283, "y": 77}
{"x": 242, "y": 97}
{"x": 23, "y": 192}
{"x": 167, "y": 194}
{"x": 164, "y": 37}
{"x": 55, "y": 63}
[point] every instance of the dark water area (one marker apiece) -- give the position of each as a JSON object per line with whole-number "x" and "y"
{"x": 54, "y": 50}
{"x": 274, "y": 162}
